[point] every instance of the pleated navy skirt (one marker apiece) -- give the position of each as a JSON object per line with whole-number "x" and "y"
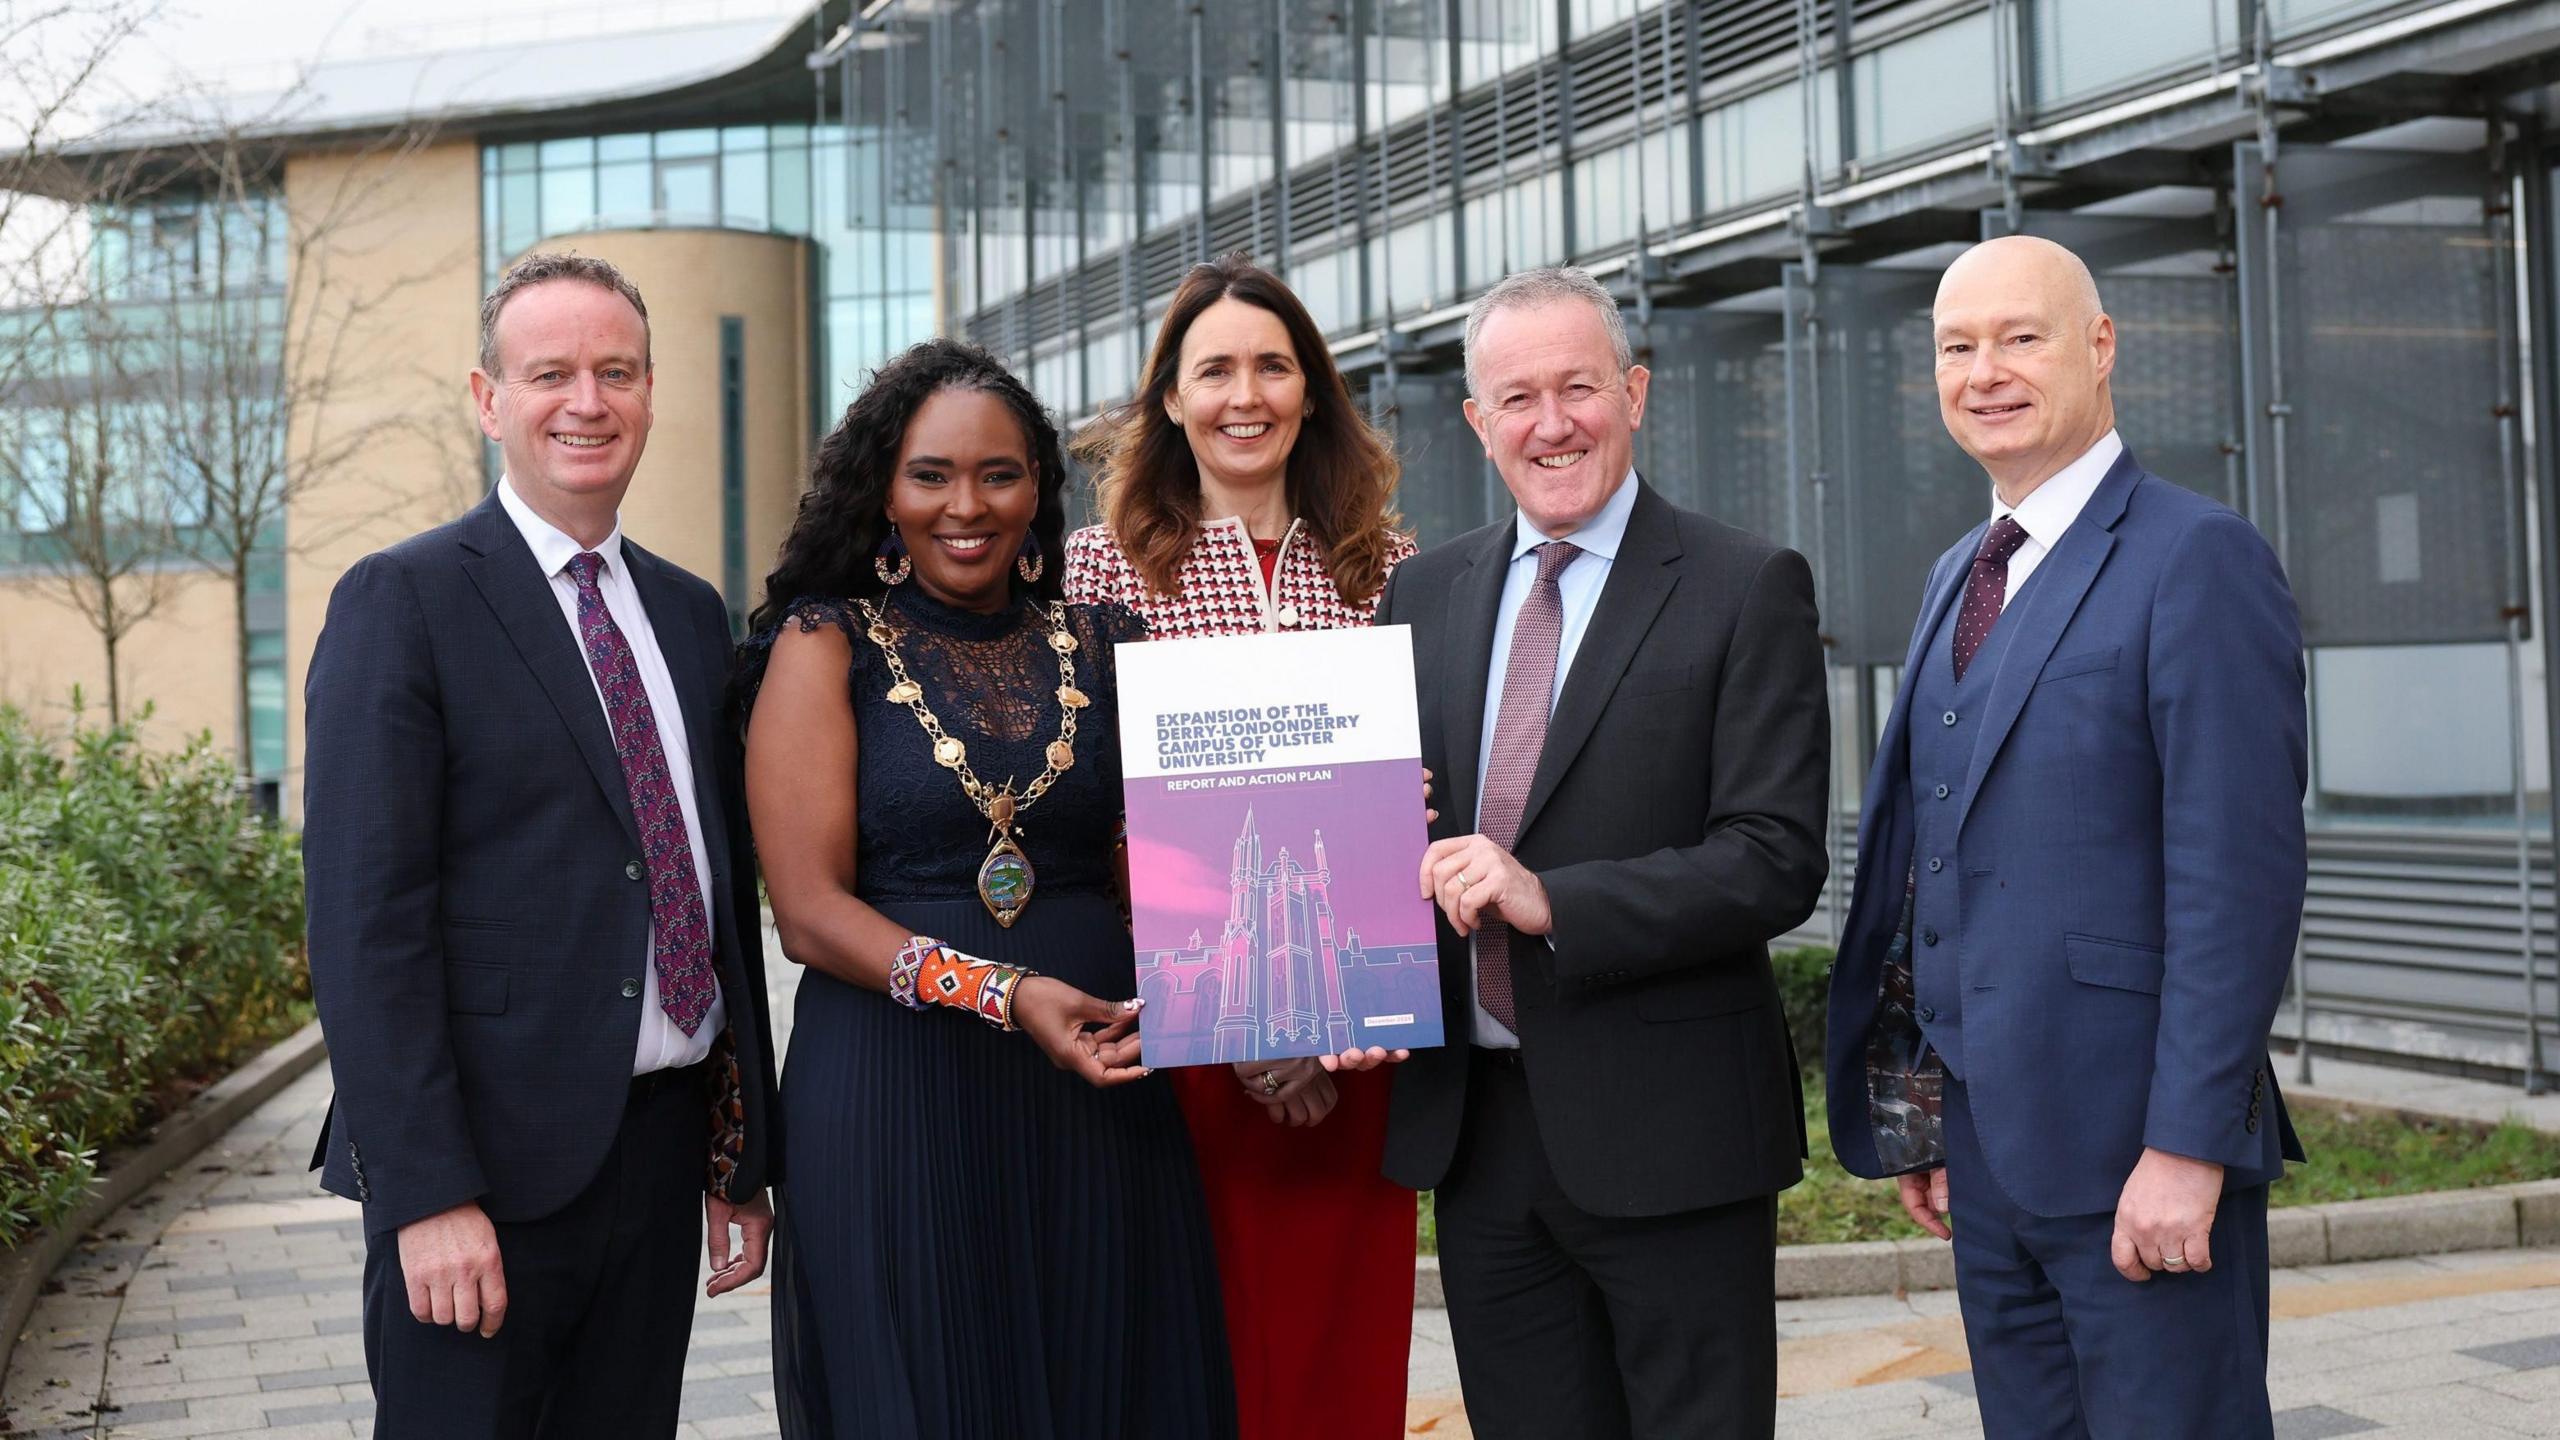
{"x": 975, "y": 1245}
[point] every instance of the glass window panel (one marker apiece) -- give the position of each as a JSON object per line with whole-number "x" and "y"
{"x": 1593, "y": 15}
{"x": 790, "y": 174}
{"x": 568, "y": 200}
{"x": 742, "y": 137}
{"x": 2415, "y": 731}
{"x": 490, "y": 244}
{"x": 788, "y": 134}
{"x": 519, "y": 156}
{"x": 623, "y": 147}
{"x": 2089, "y": 47}
{"x": 2292, "y": 15}
{"x": 519, "y": 213}
{"x": 1902, "y": 98}
{"x": 688, "y": 191}
{"x": 746, "y": 193}
{"x": 1754, "y": 146}
{"x": 554, "y": 153}
{"x": 622, "y": 193}
{"x": 673, "y": 144}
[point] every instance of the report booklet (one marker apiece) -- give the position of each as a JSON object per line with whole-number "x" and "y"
{"x": 1274, "y": 787}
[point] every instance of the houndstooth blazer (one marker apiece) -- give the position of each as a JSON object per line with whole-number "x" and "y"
{"x": 1221, "y": 583}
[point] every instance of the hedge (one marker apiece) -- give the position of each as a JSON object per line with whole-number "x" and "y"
{"x": 1804, "y": 987}
{"x": 150, "y": 938}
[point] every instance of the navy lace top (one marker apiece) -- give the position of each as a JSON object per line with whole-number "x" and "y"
{"x": 992, "y": 680}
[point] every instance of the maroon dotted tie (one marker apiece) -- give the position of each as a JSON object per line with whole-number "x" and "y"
{"x": 685, "y": 982}
{"x": 1519, "y": 733}
{"x": 1986, "y": 589}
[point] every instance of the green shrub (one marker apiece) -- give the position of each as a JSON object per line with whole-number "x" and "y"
{"x": 1804, "y": 987}
{"x": 150, "y": 937}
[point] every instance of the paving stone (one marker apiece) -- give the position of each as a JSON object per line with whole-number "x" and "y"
{"x": 180, "y": 1325}
{"x": 336, "y": 1410}
{"x": 298, "y": 1379}
{"x": 2319, "y": 1422}
{"x": 2538, "y": 1353}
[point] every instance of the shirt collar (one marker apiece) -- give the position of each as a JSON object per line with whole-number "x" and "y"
{"x": 2050, "y": 508}
{"x": 1601, "y": 537}
{"x": 552, "y": 549}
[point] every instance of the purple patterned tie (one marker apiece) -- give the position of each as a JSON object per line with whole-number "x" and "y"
{"x": 1986, "y": 589}
{"x": 1519, "y": 733}
{"x": 685, "y": 982}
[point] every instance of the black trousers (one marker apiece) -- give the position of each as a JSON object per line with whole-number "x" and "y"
{"x": 1575, "y": 1326}
{"x": 599, "y": 1302}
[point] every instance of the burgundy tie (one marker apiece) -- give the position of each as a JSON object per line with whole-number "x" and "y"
{"x": 1519, "y": 733}
{"x": 1986, "y": 589}
{"x": 685, "y": 982}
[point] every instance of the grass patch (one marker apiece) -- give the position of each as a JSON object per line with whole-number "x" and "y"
{"x": 2355, "y": 1155}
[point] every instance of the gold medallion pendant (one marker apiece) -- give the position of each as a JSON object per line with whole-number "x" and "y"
{"x": 1005, "y": 877}
{"x": 1005, "y": 880}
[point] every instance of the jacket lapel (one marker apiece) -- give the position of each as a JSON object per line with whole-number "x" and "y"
{"x": 513, "y": 586}
{"x": 2043, "y": 611}
{"x": 1640, "y": 580}
{"x": 1475, "y": 602}
{"x": 1944, "y": 586}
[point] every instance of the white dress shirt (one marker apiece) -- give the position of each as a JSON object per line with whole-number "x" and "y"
{"x": 662, "y": 1045}
{"x": 2050, "y": 508}
{"x": 1578, "y": 587}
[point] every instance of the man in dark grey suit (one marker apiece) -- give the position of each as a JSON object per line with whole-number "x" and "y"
{"x": 1624, "y": 703}
{"x": 532, "y": 915}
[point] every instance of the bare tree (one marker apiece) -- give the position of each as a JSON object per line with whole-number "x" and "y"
{"x": 260, "y": 398}
{"x": 96, "y": 518}
{"x": 92, "y": 518}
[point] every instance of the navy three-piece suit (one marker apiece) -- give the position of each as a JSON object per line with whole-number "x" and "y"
{"x": 2090, "y": 847}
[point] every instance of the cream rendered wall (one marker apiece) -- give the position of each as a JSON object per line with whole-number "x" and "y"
{"x": 407, "y": 265}
{"x": 179, "y": 660}
{"x": 690, "y": 279}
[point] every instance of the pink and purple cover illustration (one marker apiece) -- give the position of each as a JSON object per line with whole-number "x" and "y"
{"x": 1274, "y": 792}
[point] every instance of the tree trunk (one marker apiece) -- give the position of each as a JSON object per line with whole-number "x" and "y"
{"x": 115, "y": 682}
{"x": 248, "y": 753}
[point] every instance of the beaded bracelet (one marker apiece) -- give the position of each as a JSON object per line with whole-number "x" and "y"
{"x": 928, "y": 972}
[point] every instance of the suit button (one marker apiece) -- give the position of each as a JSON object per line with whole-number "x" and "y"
{"x": 1928, "y": 937}
{"x": 2252, "y": 1126}
{"x": 1928, "y": 1013}
{"x": 1936, "y": 864}
{"x": 1947, "y": 719}
{"x": 1287, "y": 615}
{"x": 630, "y": 989}
{"x": 633, "y": 870}
{"x": 1942, "y": 792}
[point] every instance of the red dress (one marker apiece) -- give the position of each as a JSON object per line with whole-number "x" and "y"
{"x": 1315, "y": 1250}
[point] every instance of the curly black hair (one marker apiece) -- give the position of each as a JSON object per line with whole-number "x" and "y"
{"x": 843, "y": 514}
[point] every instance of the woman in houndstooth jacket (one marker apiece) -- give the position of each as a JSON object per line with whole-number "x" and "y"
{"x": 1243, "y": 492}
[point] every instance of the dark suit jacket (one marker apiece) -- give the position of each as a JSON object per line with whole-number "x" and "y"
{"x": 479, "y": 915}
{"x": 2130, "y": 854}
{"x": 1676, "y": 821}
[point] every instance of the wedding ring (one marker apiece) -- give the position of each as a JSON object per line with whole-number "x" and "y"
{"x": 1270, "y": 1082}
{"x": 2173, "y": 1262}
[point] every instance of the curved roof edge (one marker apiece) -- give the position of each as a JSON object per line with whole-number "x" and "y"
{"x": 526, "y": 86}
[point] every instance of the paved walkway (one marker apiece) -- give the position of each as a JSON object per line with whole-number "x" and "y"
{"x": 223, "y": 1301}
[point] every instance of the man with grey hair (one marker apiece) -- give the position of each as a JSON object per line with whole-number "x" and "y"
{"x": 1624, "y": 702}
{"x": 533, "y": 915}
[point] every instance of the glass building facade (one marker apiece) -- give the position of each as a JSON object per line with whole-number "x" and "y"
{"x": 174, "y": 352}
{"x": 2317, "y": 244}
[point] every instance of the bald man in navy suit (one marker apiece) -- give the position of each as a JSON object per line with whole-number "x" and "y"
{"x": 2080, "y": 876}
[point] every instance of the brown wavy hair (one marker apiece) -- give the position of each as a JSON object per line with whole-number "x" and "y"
{"x": 1342, "y": 471}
